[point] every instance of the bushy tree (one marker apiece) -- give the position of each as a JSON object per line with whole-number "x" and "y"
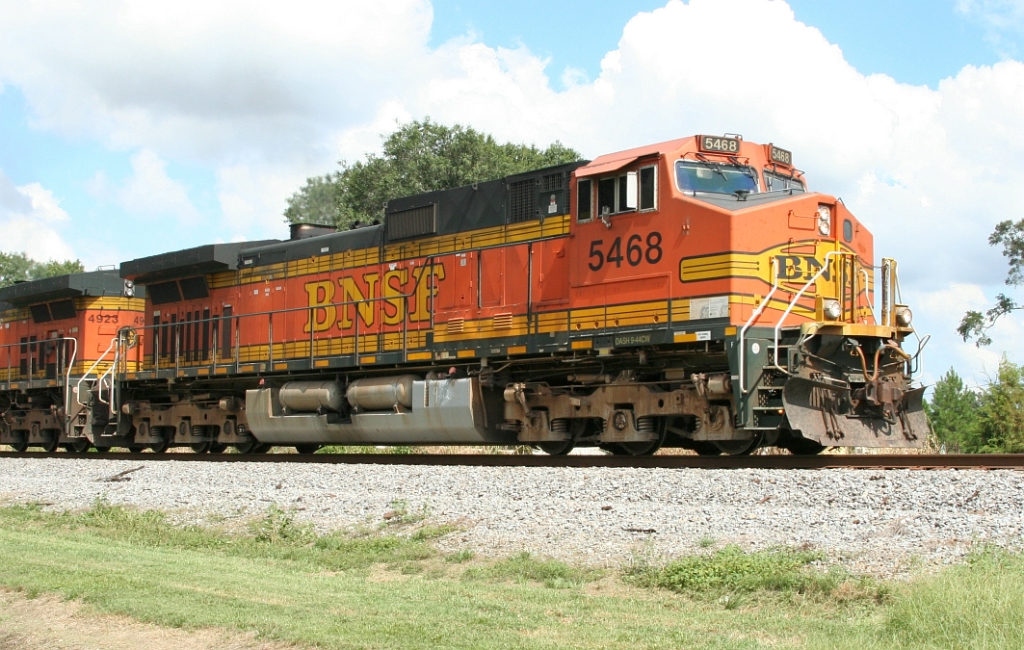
{"x": 18, "y": 267}
{"x": 974, "y": 324}
{"x": 953, "y": 415}
{"x": 418, "y": 157}
{"x": 1001, "y": 415}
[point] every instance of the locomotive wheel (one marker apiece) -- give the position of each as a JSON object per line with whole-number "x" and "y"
{"x": 557, "y": 447}
{"x": 77, "y": 446}
{"x": 102, "y": 450}
{"x": 252, "y": 447}
{"x": 218, "y": 448}
{"x": 804, "y": 447}
{"x": 307, "y": 449}
{"x": 51, "y": 445}
{"x": 641, "y": 448}
{"x": 706, "y": 449}
{"x": 739, "y": 447}
{"x": 160, "y": 447}
{"x": 201, "y": 447}
{"x": 19, "y": 446}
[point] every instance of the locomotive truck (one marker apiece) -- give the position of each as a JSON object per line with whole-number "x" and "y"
{"x": 693, "y": 293}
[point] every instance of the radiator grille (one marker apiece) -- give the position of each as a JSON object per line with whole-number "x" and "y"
{"x": 503, "y": 321}
{"x": 522, "y": 201}
{"x": 414, "y": 222}
{"x": 552, "y": 182}
{"x": 456, "y": 325}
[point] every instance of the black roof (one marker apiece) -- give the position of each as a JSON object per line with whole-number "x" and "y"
{"x": 498, "y": 202}
{"x": 95, "y": 283}
{"x": 490, "y": 203}
{"x": 274, "y": 253}
{"x": 212, "y": 258}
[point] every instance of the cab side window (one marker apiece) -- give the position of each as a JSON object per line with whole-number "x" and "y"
{"x": 584, "y": 199}
{"x": 648, "y": 188}
{"x": 779, "y": 183}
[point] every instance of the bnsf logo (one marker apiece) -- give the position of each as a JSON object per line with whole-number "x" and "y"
{"x": 338, "y": 302}
{"x": 797, "y": 267}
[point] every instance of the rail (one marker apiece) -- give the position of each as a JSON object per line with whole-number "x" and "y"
{"x": 666, "y": 461}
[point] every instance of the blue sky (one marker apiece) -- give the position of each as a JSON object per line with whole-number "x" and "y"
{"x": 129, "y": 129}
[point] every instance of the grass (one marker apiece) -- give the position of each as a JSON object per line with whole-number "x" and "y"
{"x": 391, "y": 587}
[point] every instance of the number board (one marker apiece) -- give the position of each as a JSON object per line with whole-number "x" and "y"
{"x": 782, "y": 156}
{"x": 715, "y": 143}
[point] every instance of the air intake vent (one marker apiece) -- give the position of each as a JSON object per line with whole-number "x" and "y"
{"x": 503, "y": 321}
{"x": 455, "y": 325}
{"x": 414, "y": 222}
{"x": 552, "y": 182}
{"x": 522, "y": 201}
{"x": 194, "y": 288}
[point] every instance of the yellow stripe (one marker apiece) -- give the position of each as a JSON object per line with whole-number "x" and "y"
{"x": 321, "y": 363}
{"x": 281, "y": 366}
{"x": 464, "y": 354}
{"x": 517, "y": 349}
{"x": 367, "y": 359}
{"x": 418, "y": 356}
{"x": 582, "y": 345}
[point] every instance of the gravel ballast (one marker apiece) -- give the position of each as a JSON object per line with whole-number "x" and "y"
{"x": 883, "y": 522}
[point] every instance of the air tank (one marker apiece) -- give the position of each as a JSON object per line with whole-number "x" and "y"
{"x": 381, "y": 393}
{"x": 308, "y": 396}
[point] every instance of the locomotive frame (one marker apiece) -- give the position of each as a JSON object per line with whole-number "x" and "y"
{"x": 690, "y": 293}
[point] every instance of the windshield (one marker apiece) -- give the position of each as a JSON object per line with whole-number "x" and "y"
{"x": 714, "y": 177}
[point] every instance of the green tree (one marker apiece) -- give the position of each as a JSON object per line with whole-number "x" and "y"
{"x": 974, "y": 324}
{"x": 18, "y": 267}
{"x": 1001, "y": 415}
{"x": 953, "y": 415}
{"x": 418, "y": 157}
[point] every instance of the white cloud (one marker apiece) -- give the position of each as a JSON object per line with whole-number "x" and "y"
{"x": 253, "y": 201}
{"x": 151, "y": 193}
{"x": 30, "y": 220}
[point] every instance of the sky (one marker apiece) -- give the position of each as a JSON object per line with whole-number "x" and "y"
{"x": 129, "y": 128}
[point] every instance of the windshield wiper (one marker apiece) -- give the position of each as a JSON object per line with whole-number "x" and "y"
{"x": 715, "y": 167}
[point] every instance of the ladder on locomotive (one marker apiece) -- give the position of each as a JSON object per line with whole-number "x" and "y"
{"x": 102, "y": 382}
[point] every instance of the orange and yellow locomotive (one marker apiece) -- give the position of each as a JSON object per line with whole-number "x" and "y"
{"x": 692, "y": 293}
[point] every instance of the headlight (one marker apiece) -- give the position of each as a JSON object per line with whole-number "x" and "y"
{"x": 832, "y": 310}
{"x": 129, "y": 289}
{"x": 824, "y": 220}
{"x": 904, "y": 316}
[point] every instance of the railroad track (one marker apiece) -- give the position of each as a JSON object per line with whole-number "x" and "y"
{"x": 825, "y": 461}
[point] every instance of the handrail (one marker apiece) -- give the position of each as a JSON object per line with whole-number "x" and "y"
{"x": 426, "y": 277}
{"x": 750, "y": 321}
{"x": 84, "y": 377}
{"x": 867, "y": 282}
{"x": 792, "y": 304}
{"x": 67, "y": 383}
